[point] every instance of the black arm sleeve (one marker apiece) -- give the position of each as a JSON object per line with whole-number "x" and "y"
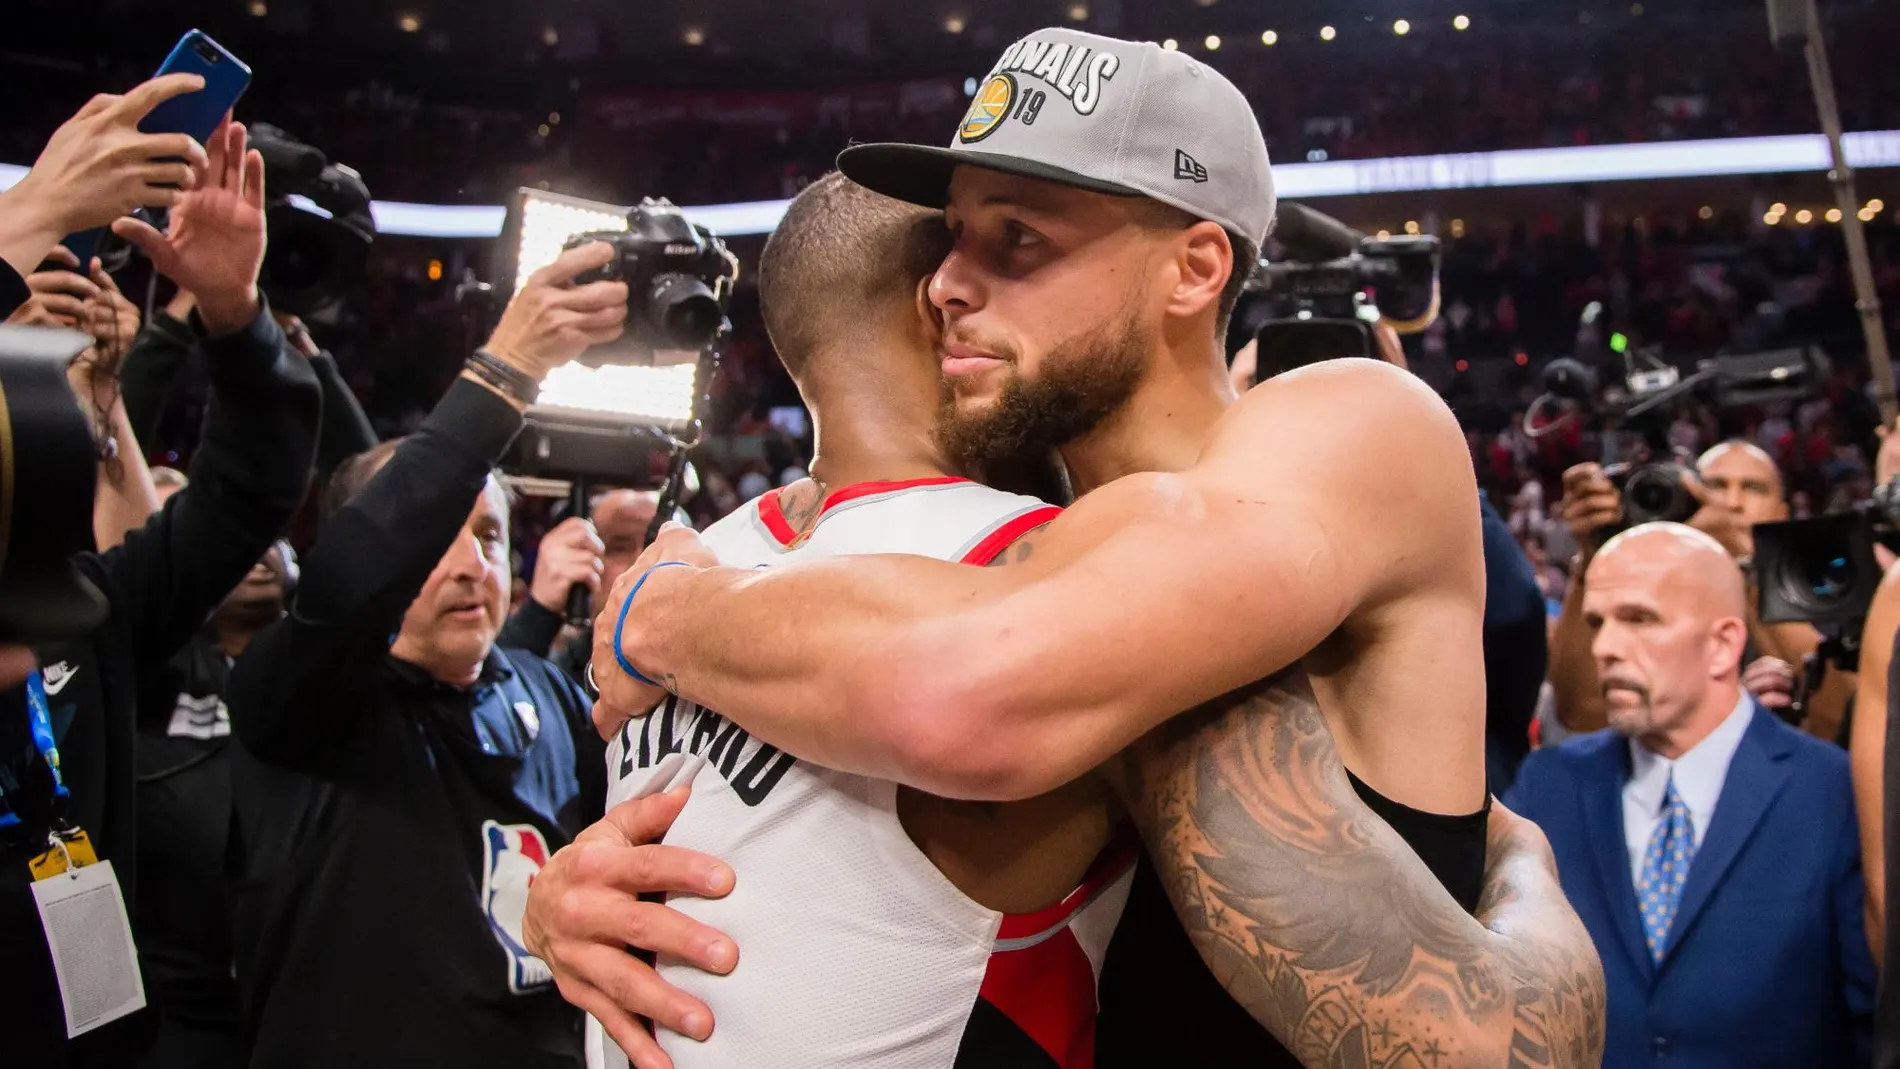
{"x": 346, "y": 427}
{"x": 1516, "y": 650}
{"x": 298, "y": 695}
{"x": 151, "y": 368}
{"x": 13, "y": 291}
{"x": 532, "y": 628}
{"x": 247, "y": 478}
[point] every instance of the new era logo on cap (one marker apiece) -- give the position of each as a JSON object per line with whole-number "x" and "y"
{"x": 1111, "y": 116}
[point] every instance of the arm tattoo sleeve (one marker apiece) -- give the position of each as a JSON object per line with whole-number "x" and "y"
{"x": 1316, "y": 916}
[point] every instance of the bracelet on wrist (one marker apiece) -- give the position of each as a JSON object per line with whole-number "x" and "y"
{"x": 507, "y": 380}
{"x": 620, "y": 625}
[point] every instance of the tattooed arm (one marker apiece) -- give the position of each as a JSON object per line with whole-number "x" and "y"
{"x": 1322, "y": 923}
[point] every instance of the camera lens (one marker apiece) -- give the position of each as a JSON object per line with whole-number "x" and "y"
{"x": 1655, "y": 492}
{"x": 1819, "y": 576}
{"x": 1817, "y": 569}
{"x": 204, "y": 49}
{"x": 1829, "y": 578}
{"x": 685, "y": 310}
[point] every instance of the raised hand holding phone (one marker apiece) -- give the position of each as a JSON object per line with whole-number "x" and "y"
{"x": 215, "y": 244}
{"x": 96, "y": 167}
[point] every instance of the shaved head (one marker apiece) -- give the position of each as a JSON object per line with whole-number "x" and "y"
{"x": 1666, "y": 605}
{"x": 1745, "y": 480}
{"x": 622, "y": 518}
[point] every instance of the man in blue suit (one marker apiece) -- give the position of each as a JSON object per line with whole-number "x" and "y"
{"x": 1710, "y": 849}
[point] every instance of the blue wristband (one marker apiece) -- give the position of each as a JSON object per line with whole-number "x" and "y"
{"x": 620, "y": 624}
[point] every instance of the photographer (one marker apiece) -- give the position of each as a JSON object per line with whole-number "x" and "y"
{"x": 1737, "y": 487}
{"x": 248, "y": 476}
{"x": 395, "y": 799}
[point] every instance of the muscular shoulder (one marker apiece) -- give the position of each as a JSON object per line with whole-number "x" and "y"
{"x": 1368, "y": 447}
{"x": 1359, "y": 405}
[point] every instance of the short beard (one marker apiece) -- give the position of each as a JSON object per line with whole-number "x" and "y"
{"x": 1083, "y": 381}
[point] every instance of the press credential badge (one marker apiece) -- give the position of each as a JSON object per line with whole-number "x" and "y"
{"x": 83, "y": 913}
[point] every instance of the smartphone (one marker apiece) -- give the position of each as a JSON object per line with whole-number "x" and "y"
{"x": 198, "y": 114}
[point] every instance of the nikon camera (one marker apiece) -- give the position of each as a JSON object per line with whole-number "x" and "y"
{"x": 679, "y": 277}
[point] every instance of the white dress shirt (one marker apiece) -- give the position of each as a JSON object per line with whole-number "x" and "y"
{"x": 1699, "y": 773}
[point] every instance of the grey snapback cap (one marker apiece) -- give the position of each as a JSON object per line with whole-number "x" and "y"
{"x": 1112, "y": 116}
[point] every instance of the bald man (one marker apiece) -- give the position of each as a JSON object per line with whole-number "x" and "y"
{"x": 1739, "y": 486}
{"x": 1709, "y": 848}
{"x": 622, "y": 517}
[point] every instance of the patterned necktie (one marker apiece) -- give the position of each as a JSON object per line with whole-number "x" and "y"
{"x": 1665, "y": 869}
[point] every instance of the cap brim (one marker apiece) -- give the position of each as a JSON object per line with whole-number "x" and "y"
{"x": 920, "y": 174}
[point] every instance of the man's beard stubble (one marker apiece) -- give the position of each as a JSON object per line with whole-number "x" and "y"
{"x": 1082, "y": 381}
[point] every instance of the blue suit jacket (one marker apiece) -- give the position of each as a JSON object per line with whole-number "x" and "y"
{"x": 1767, "y": 961}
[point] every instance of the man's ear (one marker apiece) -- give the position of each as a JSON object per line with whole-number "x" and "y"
{"x": 1204, "y": 260}
{"x": 929, "y": 316}
{"x": 1729, "y": 640}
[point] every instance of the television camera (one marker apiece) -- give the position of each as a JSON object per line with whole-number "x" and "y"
{"x": 1320, "y": 301}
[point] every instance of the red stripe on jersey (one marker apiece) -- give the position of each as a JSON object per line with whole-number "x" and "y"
{"x": 1048, "y": 991}
{"x": 774, "y": 518}
{"x": 857, "y": 490}
{"x": 1115, "y": 860}
{"x": 996, "y": 541}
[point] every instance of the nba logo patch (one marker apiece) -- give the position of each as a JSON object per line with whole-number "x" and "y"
{"x": 513, "y": 855}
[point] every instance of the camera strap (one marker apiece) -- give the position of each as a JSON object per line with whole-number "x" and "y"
{"x": 39, "y": 722}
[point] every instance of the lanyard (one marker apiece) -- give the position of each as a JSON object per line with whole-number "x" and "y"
{"x": 39, "y": 722}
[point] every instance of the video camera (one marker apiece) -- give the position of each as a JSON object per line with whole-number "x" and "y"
{"x": 678, "y": 276}
{"x": 1822, "y": 571}
{"x": 1651, "y": 395}
{"x": 1320, "y": 302}
{"x": 320, "y": 224}
{"x": 47, "y": 468}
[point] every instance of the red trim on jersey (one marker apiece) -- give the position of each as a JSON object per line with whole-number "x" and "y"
{"x": 857, "y": 490}
{"x": 774, "y": 518}
{"x": 998, "y": 540}
{"x": 1047, "y": 987}
{"x": 1048, "y": 991}
{"x": 1115, "y": 860}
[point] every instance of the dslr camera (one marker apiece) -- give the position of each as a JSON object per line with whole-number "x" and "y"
{"x": 679, "y": 277}
{"x": 1654, "y": 492}
{"x": 1321, "y": 301}
{"x": 1647, "y": 400}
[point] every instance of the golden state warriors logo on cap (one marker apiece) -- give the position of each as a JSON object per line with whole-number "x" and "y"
{"x": 988, "y": 109}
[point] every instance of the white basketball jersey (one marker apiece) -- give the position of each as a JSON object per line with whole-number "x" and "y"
{"x": 855, "y": 952}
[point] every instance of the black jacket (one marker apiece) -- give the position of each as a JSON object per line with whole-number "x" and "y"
{"x": 159, "y": 355}
{"x": 248, "y": 476}
{"x": 389, "y": 822}
{"x": 183, "y": 914}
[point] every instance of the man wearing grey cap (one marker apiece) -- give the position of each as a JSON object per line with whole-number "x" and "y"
{"x": 1107, "y": 200}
